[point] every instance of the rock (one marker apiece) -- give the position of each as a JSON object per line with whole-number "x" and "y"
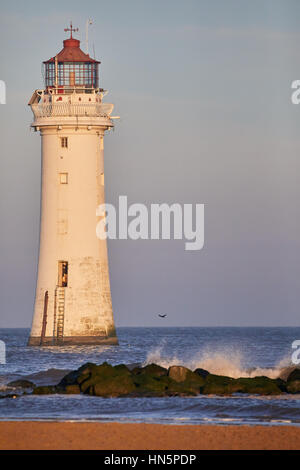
{"x": 219, "y": 385}
{"x": 152, "y": 380}
{"x": 294, "y": 375}
{"x": 101, "y": 380}
{"x": 113, "y": 387}
{"x": 21, "y": 384}
{"x": 179, "y": 373}
{"x": 293, "y": 382}
{"x": 222, "y": 385}
{"x": 151, "y": 369}
{"x": 72, "y": 389}
{"x": 106, "y": 380}
{"x": 202, "y": 372}
{"x": 185, "y": 382}
{"x": 259, "y": 385}
{"x": 78, "y": 376}
{"x": 293, "y": 386}
{"x": 45, "y": 390}
{"x": 281, "y": 384}
{"x": 190, "y": 387}
{"x": 147, "y": 385}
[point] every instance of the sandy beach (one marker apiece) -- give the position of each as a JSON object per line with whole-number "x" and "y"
{"x": 31, "y": 435}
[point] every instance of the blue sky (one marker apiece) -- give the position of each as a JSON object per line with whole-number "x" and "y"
{"x": 203, "y": 91}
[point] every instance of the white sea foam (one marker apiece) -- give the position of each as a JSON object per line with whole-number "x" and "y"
{"x": 228, "y": 361}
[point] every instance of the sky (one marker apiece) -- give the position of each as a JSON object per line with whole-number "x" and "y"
{"x": 203, "y": 89}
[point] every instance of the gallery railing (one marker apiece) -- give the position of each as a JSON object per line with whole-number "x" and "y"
{"x": 41, "y": 110}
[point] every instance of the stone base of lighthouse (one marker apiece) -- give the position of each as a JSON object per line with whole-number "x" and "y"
{"x": 74, "y": 340}
{"x": 76, "y": 308}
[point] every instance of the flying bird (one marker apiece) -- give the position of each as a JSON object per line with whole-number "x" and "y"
{"x": 162, "y": 316}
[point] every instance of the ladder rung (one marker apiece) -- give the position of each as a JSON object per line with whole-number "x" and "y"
{"x": 60, "y": 311}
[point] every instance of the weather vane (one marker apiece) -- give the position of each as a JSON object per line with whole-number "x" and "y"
{"x": 71, "y": 29}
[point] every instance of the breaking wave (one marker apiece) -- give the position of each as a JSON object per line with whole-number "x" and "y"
{"x": 228, "y": 361}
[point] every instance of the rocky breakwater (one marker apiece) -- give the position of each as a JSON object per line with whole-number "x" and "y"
{"x": 153, "y": 380}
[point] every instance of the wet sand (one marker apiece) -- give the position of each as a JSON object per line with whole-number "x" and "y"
{"x": 29, "y": 435}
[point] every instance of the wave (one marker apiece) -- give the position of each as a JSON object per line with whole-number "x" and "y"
{"x": 228, "y": 361}
{"x": 47, "y": 377}
{"x": 44, "y": 377}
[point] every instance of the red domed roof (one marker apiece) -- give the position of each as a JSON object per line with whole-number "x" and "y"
{"x": 72, "y": 53}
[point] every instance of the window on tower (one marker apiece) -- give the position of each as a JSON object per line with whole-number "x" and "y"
{"x": 64, "y": 142}
{"x": 63, "y": 178}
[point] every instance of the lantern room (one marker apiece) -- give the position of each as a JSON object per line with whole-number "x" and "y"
{"x": 71, "y": 70}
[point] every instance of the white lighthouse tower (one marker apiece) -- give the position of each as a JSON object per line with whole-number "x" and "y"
{"x": 73, "y": 299}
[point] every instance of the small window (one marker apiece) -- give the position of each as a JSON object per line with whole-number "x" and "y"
{"x": 102, "y": 179}
{"x": 64, "y": 142}
{"x": 63, "y": 178}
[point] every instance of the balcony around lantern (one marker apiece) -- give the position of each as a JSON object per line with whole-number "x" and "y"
{"x": 64, "y": 109}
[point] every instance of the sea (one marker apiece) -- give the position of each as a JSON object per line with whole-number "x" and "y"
{"x": 235, "y": 352}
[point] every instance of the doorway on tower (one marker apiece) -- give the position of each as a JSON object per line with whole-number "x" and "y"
{"x": 62, "y": 274}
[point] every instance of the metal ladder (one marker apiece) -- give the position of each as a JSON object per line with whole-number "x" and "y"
{"x": 60, "y": 313}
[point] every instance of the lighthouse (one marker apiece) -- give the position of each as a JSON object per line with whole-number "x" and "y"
{"x": 73, "y": 298}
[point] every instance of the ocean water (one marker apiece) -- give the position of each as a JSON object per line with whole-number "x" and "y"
{"x": 236, "y": 352}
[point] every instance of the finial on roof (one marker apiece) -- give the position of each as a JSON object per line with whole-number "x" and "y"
{"x": 71, "y": 29}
